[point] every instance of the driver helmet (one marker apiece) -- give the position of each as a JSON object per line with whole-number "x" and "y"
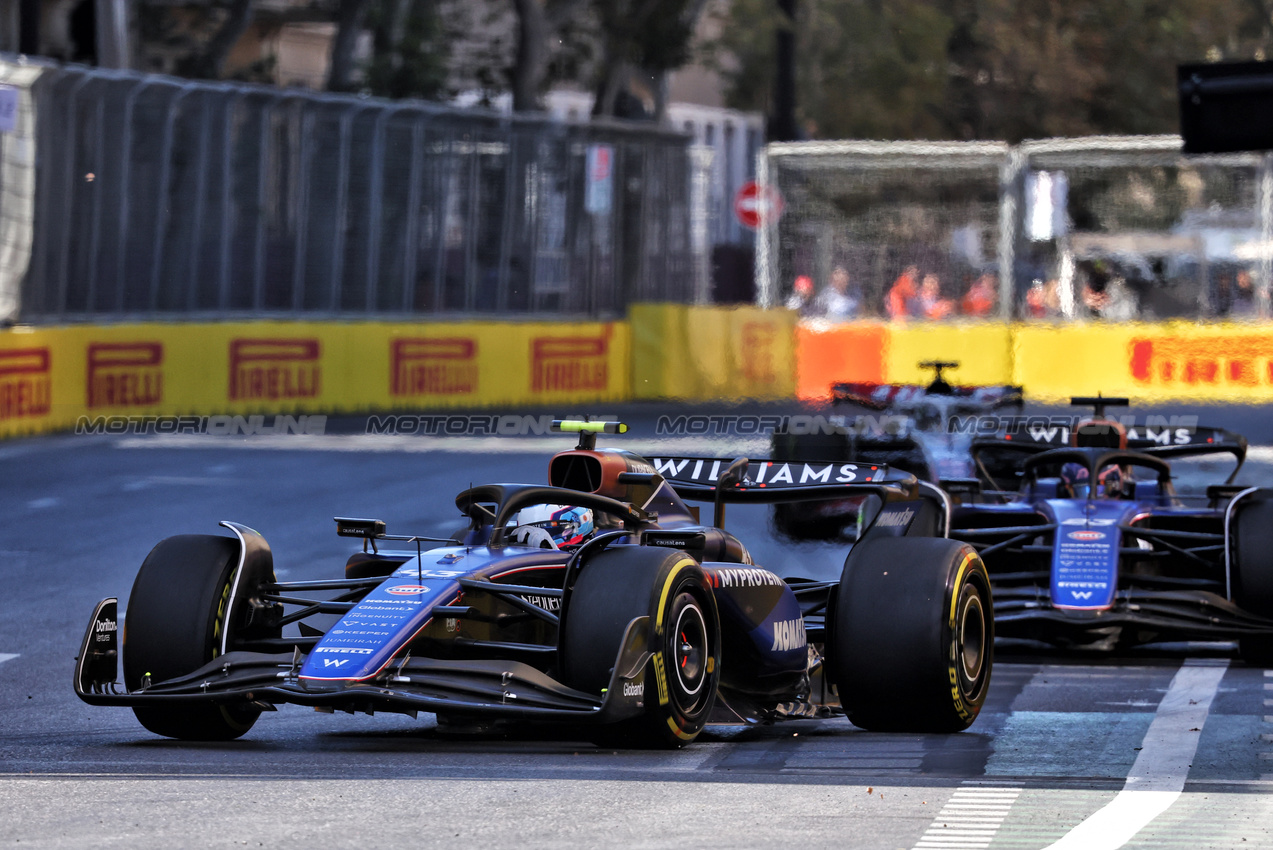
{"x": 1109, "y": 479}
{"x": 553, "y": 526}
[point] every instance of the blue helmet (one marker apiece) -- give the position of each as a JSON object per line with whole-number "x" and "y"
{"x": 553, "y": 526}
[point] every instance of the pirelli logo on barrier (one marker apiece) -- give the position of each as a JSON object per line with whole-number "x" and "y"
{"x": 758, "y": 350}
{"x": 125, "y": 374}
{"x": 426, "y": 366}
{"x": 570, "y": 363}
{"x": 26, "y": 383}
{"x": 275, "y": 369}
{"x": 1229, "y": 361}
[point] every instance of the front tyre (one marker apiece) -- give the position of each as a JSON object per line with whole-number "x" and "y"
{"x": 614, "y": 588}
{"x": 178, "y": 613}
{"x": 912, "y": 635}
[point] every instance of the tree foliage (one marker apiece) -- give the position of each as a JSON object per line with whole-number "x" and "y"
{"x": 989, "y": 69}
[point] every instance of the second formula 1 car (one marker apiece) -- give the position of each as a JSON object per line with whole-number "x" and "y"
{"x": 924, "y": 429}
{"x": 598, "y": 601}
{"x": 1095, "y": 547}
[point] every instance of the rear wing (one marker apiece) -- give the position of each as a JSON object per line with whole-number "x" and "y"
{"x": 884, "y": 396}
{"x": 775, "y": 481}
{"x": 1163, "y": 442}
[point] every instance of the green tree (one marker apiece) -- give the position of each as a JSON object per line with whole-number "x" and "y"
{"x": 988, "y": 69}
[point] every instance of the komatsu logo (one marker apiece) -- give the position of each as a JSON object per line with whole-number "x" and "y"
{"x": 789, "y": 635}
{"x": 895, "y": 519}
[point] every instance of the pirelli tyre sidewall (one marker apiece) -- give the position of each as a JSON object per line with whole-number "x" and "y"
{"x": 178, "y": 612}
{"x": 1251, "y": 569}
{"x": 911, "y": 643}
{"x": 683, "y": 672}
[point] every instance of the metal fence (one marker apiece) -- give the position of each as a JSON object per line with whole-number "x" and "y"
{"x": 158, "y": 196}
{"x": 1114, "y": 228}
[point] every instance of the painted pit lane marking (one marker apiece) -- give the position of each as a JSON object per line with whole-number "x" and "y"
{"x": 970, "y": 818}
{"x": 7, "y": 656}
{"x": 1158, "y": 777}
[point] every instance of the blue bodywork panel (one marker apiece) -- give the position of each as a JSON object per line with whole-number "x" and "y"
{"x": 1086, "y": 550}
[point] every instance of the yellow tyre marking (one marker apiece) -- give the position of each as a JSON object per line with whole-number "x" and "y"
{"x": 959, "y": 576}
{"x": 676, "y": 730}
{"x": 660, "y": 678}
{"x": 961, "y": 708}
{"x": 667, "y": 587}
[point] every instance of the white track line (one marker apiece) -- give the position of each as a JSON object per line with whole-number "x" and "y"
{"x": 7, "y": 656}
{"x": 970, "y": 818}
{"x": 1158, "y": 777}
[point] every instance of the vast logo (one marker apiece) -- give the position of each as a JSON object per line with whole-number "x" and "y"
{"x": 1237, "y": 361}
{"x": 26, "y": 383}
{"x": 274, "y": 369}
{"x": 757, "y": 354}
{"x": 432, "y": 366}
{"x": 125, "y": 374}
{"x": 568, "y": 364}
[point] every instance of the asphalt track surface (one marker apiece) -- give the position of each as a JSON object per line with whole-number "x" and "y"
{"x": 1171, "y": 747}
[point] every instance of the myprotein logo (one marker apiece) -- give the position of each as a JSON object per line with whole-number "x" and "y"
{"x": 1231, "y": 361}
{"x": 570, "y": 363}
{"x": 125, "y": 374}
{"x": 26, "y": 383}
{"x": 274, "y": 369}
{"x": 759, "y": 339}
{"x": 424, "y": 366}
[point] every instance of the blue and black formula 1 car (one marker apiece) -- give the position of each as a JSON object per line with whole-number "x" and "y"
{"x": 1094, "y": 546}
{"x": 924, "y": 429}
{"x": 599, "y": 600}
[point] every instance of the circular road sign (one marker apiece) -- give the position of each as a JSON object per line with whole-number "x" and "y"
{"x": 754, "y": 207}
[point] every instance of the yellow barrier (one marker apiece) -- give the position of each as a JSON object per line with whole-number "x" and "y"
{"x": 712, "y": 353}
{"x": 49, "y": 377}
{"x": 876, "y": 352}
{"x": 1169, "y": 361}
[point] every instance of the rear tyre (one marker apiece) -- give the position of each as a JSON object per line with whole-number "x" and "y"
{"x": 614, "y": 588}
{"x": 1251, "y": 570}
{"x": 178, "y": 612}
{"x": 912, "y": 635}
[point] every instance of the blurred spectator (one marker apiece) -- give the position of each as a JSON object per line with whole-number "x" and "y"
{"x": 1242, "y": 303}
{"x": 1043, "y": 301}
{"x": 801, "y": 295}
{"x": 931, "y": 304}
{"x": 835, "y": 302}
{"x": 901, "y": 297}
{"x": 1108, "y": 296}
{"x": 981, "y": 296}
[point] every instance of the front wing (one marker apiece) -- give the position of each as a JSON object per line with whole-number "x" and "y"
{"x": 486, "y": 687}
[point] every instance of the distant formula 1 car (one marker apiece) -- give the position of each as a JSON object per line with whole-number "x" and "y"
{"x": 599, "y": 601}
{"x": 1095, "y": 547}
{"x": 920, "y": 431}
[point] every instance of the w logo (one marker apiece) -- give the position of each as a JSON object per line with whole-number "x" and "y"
{"x": 1081, "y": 594}
{"x": 336, "y": 662}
